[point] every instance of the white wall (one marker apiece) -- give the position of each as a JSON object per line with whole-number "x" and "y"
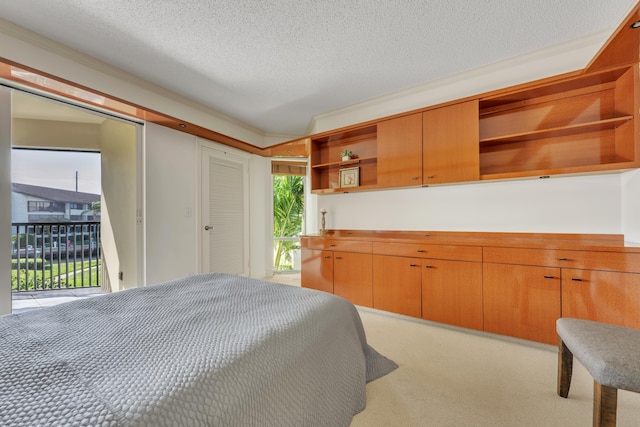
{"x": 171, "y": 182}
{"x": 5, "y": 197}
{"x": 631, "y": 206}
{"x": 260, "y": 217}
{"x": 119, "y": 204}
{"x": 582, "y": 204}
{"x": 172, "y": 209}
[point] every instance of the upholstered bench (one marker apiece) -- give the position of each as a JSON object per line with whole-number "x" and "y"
{"x": 610, "y": 353}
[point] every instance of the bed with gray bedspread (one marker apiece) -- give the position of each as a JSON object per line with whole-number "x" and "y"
{"x": 213, "y": 349}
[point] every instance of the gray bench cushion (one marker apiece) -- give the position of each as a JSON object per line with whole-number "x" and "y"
{"x": 610, "y": 353}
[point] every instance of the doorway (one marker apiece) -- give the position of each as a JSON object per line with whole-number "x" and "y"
{"x": 225, "y": 212}
{"x": 288, "y": 214}
{"x": 52, "y": 125}
{"x": 55, "y": 220}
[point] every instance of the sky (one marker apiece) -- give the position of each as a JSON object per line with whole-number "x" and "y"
{"x": 57, "y": 169}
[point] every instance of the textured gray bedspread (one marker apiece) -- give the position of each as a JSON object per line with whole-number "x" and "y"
{"x": 214, "y": 349}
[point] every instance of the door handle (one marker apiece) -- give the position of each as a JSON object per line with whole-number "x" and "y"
{"x": 208, "y": 227}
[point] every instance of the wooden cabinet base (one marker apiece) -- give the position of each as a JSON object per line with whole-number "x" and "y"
{"x": 522, "y": 301}
{"x": 452, "y": 293}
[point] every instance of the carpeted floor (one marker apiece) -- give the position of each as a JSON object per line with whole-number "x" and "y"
{"x": 453, "y": 377}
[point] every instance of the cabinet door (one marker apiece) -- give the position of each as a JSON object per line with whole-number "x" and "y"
{"x": 522, "y": 301}
{"x": 450, "y": 149}
{"x": 400, "y": 151}
{"x": 352, "y": 277}
{"x": 452, "y": 292}
{"x": 317, "y": 270}
{"x": 603, "y": 296}
{"x": 397, "y": 284}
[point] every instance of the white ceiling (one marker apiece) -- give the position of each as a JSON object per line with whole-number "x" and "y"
{"x": 276, "y": 64}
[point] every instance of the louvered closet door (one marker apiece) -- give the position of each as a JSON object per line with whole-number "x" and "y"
{"x": 224, "y": 212}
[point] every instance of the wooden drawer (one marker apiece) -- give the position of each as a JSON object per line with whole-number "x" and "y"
{"x": 587, "y": 260}
{"x": 336, "y": 245}
{"x": 416, "y": 250}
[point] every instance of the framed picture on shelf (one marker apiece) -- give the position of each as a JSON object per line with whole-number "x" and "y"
{"x": 350, "y": 177}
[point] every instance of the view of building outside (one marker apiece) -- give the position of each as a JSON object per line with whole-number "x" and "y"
{"x": 55, "y": 207}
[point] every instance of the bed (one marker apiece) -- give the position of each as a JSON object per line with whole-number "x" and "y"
{"x": 212, "y": 349}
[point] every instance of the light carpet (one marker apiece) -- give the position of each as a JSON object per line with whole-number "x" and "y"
{"x": 455, "y": 377}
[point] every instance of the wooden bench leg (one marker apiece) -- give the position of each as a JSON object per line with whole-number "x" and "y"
{"x": 565, "y": 369}
{"x": 605, "y": 402}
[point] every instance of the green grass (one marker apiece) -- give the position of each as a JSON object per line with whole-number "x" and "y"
{"x": 40, "y": 274}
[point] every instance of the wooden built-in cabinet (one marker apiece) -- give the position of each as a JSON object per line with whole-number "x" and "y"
{"x": 343, "y": 268}
{"x": 589, "y": 284}
{"x": 450, "y": 144}
{"x": 513, "y": 284}
{"x": 452, "y": 292}
{"x": 579, "y": 124}
{"x": 584, "y": 290}
{"x": 317, "y": 269}
{"x": 399, "y": 149}
{"x": 397, "y": 284}
{"x": 582, "y": 124}
{"x": 352, "y": 277}
{"x": 442, "y": 283}
{"x": 326, "y": 161}
{"x": 522, "y": 301}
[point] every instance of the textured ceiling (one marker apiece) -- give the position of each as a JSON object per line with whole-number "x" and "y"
{"x": 276, "y": 64}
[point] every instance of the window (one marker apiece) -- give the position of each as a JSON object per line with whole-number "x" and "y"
{"x": 45, "y": 206}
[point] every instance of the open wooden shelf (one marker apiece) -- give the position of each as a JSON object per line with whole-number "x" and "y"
{"x": 584, "y": 124}
{"x": 598, "y": 125}
{"x": 345, "y": 163}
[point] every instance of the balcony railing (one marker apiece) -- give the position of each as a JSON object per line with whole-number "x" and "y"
{"x": 48, "y": 255}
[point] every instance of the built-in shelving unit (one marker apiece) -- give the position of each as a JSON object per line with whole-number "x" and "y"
{"x": 579, "y": 125}
{"x": 326, "y": 161}
{"x": 582, "y": 123}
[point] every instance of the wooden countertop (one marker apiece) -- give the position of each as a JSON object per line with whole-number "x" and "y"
{"x": 590, "y": 242}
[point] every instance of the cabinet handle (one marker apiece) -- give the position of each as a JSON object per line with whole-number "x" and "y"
{"x": 429, "y": 266}
{"x": 338, "y": 257}
{"x": 431, "y": 176}
{"x": 563, "y": 259}
{"x": 415, "y": 178}
{"x": 576, "y": 279}
{"x": 332, "y": 245}
{"x": 549, "y": 277}
{"x": 421, "y": 250}
{"x": 327, "y": 256}
{"x": 414, "y": 265}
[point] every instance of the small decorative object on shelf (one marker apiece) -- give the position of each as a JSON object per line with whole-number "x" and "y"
{"x": 323, "y": 230}
{"x": 346, "y": 155}
{"x": 350, "y": 177}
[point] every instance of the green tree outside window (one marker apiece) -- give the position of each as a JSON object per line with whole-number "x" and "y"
{"x": 288, "y": 213}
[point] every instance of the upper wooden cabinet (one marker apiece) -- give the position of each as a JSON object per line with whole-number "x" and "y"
{"x": 576, "y": 124}
{"x": 298, "y": 148}
{"x": 400, "y": 151}
{"x": 582, "y": 124}
{"x": 450, "y": 144}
